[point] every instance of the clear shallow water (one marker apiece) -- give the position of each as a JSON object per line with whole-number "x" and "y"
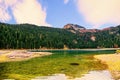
{"x": 92, "y": 75}
{"x": 58, "y": 63}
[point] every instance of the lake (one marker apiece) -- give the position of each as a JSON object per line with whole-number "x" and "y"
{"x": 72, "y": 63}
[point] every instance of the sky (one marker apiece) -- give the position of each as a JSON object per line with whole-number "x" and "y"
{"x": 57, "y": 13}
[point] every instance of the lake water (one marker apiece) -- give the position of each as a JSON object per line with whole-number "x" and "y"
{"x": 71, "y": 63}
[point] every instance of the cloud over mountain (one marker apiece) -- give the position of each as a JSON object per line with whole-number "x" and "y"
{"x": 23, "y": 11}
{"x": 99, "y": 12}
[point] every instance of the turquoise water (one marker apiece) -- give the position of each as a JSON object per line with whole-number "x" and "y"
{"x": 77, "y": 52}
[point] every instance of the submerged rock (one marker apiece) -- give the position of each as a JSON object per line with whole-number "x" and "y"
{"x": 75, "y": 64}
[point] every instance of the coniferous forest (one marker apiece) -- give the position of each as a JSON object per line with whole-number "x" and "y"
{"x": 27, "y": 36}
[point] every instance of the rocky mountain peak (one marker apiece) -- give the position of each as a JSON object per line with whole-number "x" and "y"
{"x": 73, "y": 27}
{"x": 77, "y": 28}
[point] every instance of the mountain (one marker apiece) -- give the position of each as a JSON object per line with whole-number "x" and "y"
{"x": 27, "y": 36}
{"x": 77, "y": 28}
{"x": 74, "y": 28}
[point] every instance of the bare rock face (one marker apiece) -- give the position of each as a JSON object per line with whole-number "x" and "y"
{"x": 73, "y": 27}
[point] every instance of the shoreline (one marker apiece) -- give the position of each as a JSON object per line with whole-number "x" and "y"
{"x": 67, "y": 49}
{"x": 19, "y": 55}
{"x": 113, "y": 62}
{"x": 89, "y": 49}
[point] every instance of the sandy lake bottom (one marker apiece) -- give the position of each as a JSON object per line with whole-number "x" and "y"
{"x": 92, "y": 75}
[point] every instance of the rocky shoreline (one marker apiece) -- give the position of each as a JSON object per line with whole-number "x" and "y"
{"x": 18, "y": 55}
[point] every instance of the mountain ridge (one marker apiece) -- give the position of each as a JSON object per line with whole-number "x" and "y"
{"x": 27, "y": 36}
{"x": 77, "y": 28}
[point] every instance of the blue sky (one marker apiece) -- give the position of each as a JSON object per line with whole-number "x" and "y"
{"x": 57, "y": 13}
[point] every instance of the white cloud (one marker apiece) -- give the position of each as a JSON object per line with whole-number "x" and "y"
{"x": 66, "y": 1}
{"x": 4, "y": 15}
{"x": 24, "y": 11}
{"x": 98, "y": 12}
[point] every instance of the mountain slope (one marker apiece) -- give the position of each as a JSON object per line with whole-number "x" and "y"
{"x": 31, "y": 36}
{"x": 26, "y": 36}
